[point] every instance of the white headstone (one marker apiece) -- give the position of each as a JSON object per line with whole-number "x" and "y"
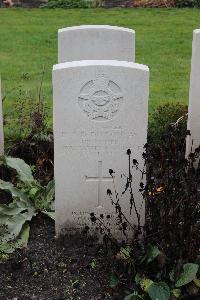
{"x": 193, "y": 141}
{"x": 100, "y": 111}
{"x": 96, "y": 42}
{"x": 1, "y": 125}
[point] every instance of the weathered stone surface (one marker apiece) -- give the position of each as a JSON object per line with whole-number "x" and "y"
{"x": 100, "y": 111}
{"x": 96, "y": 42}
{"x": 193, "y": 141}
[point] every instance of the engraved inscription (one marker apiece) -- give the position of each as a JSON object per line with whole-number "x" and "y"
{"x": 109, "y": 139}
{"x": 100, "y": 99}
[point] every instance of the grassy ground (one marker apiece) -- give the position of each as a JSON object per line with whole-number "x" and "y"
{"x": 28, "y": 42}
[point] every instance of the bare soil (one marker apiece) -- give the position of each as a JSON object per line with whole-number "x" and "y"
{"x": 50, "y": 270}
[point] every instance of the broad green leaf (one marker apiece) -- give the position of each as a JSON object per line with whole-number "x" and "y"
{"x": 23, "y": 170}
{"x": 14, "y": 225}
{"x": 12, "y": 209}
{"x": 3, "y": 219}
{"x": 50, "y": 214}
{"x": 133, "y": 297}
{"x": 188, "y": 274}
{"x": 11, "y": 246}
{"x": 151, "y": 254}
{"x": 9, "y": 187}
{"x": 159, "y": 291}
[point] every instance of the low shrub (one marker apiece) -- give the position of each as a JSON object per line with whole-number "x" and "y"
{"x": 67, "y": 4}
{"x": 166, "y": 3}
{"x": 163, "y": 117}
{"x": 187, "y": 3}
{"x": 163, "y": 262}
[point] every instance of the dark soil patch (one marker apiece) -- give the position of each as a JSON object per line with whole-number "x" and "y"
{"x": 47, "y": 270}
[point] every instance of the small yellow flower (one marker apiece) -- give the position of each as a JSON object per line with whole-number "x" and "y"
{"x": 158, "y": 190}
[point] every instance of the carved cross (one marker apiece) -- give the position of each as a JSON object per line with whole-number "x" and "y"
{"x": 100, "y": 178}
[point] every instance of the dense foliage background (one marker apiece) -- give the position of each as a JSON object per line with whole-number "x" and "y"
{"x": 120, "y": 3}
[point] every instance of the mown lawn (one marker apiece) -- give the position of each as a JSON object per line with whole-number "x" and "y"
{"x": 28, "y": 43}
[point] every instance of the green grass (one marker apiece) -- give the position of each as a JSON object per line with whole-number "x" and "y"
{"x": 28, "y": 42}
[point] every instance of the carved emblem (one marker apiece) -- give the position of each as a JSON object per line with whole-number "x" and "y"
{"x": 100, "y": 99}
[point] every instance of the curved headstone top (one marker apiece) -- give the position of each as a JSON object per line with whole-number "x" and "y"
{"x": 113, "y": 63}
{"x": 82, "y": 27}
{"x": 193, "y": 140}
{"x": 96, "y": 42}
{"x": 196, "y": 31}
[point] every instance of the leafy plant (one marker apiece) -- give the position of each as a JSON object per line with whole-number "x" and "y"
{"x": 170, "y": 235}
{"x": 151, "y": 254}
{"x": 188, "y": 274}
{"x": 187, "y": 3}
{"x": 134, "y": 296}
{"x": 29, "y": 198}
{"x": 67, "y": 4}
{"x": 162, "y": 118}
{"x": 159, "y": 290}
{"x": 32, "y": 137}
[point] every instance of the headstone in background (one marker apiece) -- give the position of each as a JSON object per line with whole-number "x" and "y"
{"x": 1, "y": 125}
{"x": 96, "y": 42}
{"x": 193, "y": 141}
{"x": 100, "y": 111}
